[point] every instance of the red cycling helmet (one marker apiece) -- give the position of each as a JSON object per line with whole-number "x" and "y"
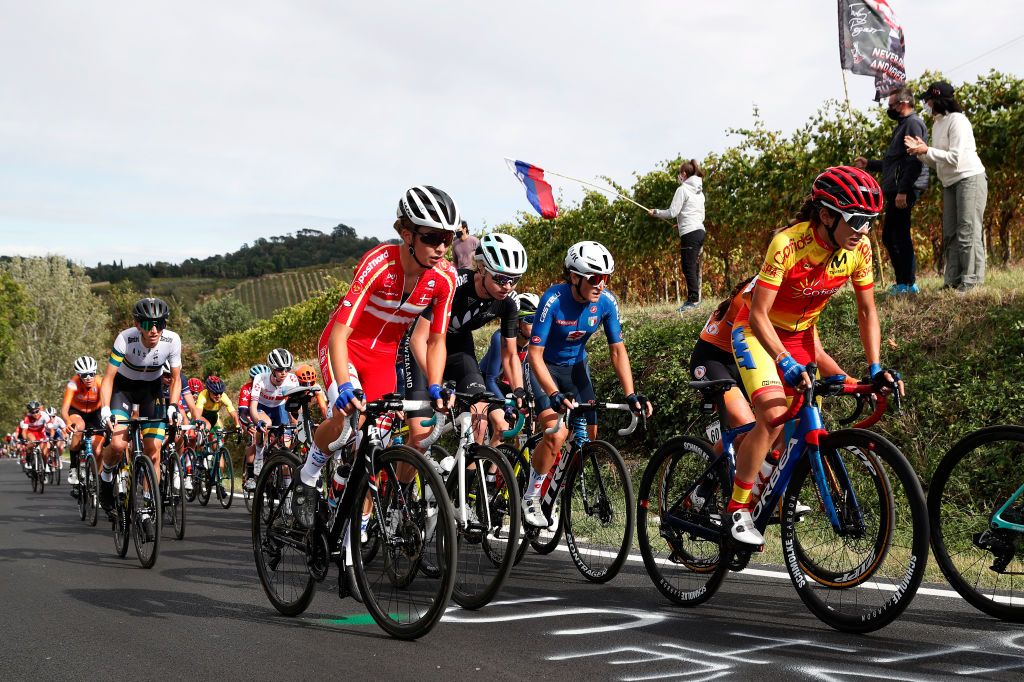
{"x": 195, "y": 385}
{"x": 850, "y": 192}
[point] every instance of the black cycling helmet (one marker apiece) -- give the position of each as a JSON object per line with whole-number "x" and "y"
{"x": 33, "y": 406}
{"x": 150, "y": 309}
{"x": 214, "y": 384}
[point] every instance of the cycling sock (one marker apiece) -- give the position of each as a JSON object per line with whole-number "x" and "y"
{"x": 259, "y": 454}
{"x": 365, "y": 522}
{"x": 74, "y": 459}
{"x": 249, "y": 470}
{"x": 314, "y": 463}
{"x": 740, "y": 495}
{"x": 535, "y": 485}
{"x": 107, "y": 475}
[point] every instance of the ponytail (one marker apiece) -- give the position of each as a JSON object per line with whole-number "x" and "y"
{"x": 808, "y": 213}
{"x": 723, "y": 307}
{"x": 691, "y": 168}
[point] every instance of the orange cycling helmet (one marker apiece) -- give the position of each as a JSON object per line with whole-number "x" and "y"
{"x": 306, "y": 375}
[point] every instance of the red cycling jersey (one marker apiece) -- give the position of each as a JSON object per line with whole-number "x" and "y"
{"x": 379, "y": 312}
{"x": 244, "y": 396}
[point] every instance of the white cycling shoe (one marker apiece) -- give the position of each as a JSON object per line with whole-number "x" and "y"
{"x": 743, "y": 529}
{"x": 250, "y": 484}
{"x": 188, "y": 483}
{"x": 533, "y": 515}
{"x": 72, "y": 477}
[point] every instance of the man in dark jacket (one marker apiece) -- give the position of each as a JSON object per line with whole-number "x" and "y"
{"x": 903, "y": 179}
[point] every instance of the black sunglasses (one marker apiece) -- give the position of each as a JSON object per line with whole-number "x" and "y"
{"x": 528, "y": 319}
{"x": 436, "y": 238}
{"x": 147, "y": 325}
{"x": 502, "y": 280}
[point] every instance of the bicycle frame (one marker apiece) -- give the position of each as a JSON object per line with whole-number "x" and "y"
{"x": 997, "y": 519}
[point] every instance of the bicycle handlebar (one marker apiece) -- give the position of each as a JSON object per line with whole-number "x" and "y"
{"x": 563, "y": 418}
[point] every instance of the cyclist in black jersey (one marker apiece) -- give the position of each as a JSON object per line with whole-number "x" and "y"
{"x": 481, "y": 295}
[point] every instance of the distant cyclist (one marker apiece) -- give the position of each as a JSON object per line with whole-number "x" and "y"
{"x": 244, "y": 397}
{"x": 211, "y": 400}
{"x": 266, "y": 402}
{"x": 496, "y": 367}
{"x": 569, "y": 314}
{"x": 81, "y": 410}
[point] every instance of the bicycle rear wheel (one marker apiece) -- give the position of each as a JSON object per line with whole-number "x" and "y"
{"x": 878, "y": 553}
{"x": 83, "y": 496}
{"x": 90, "y": 490}
{"x": 488, "y": 540}
{"x": 416, "y": 523}
{"x": 174, "y": 485}
{"x": 681, "y": 504}
{"x": 224, "y": 478}
{"x": 122, "y": 512}
{"x": 203, "y": 478}
{"x": 978, "y": 477}
{"x": 279, "y": 548}
{"x": 40, "y": 465}
{"x": 145, "y": 504}
{"x": 598, "y": 512}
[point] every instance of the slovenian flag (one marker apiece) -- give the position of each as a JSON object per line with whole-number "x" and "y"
{"x": 538, "y": 191}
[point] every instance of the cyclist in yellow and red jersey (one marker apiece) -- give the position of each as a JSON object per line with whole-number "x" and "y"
{"x": 391, "y": 286}
{"x": 81, "y": 410}
{"x": 211, "y": 400}
{"x": 773, "y": 338}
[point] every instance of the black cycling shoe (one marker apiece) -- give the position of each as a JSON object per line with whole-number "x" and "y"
{"x": 149, "y": 528}
{"x": 304, "y": 500}
{"x": 106, "y": 495}
{"x": 347, "y": 586}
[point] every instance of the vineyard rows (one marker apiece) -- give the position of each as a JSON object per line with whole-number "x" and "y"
{"x": 268, "y": 294}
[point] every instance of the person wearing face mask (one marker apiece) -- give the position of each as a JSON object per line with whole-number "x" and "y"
{"x": 954, "y": 156}
{"x": 903, "y": 179}
{"x": 687, "y": 208}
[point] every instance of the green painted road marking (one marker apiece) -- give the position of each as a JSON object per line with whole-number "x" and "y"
{"x": 360, "y": 619}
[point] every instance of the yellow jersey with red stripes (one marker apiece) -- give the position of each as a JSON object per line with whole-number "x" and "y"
{"x": 377, "y": 308}
{"x": 805, "y": 272}
{"x": 719, "y": 332}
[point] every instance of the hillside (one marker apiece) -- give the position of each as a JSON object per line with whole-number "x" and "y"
{"x": 268, "y": 294}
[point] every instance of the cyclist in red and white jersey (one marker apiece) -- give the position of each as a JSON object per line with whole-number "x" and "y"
{"x": 244, "y": 398}
{"x": 268, "y": 396}
{"x": 392, "y": 285}
{"x": 33, "y": 428}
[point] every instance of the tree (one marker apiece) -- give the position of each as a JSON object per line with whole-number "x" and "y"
{"x": 217, "y": 317}
{"x": 14, "y": 311}
{"x": 67, "y": 321}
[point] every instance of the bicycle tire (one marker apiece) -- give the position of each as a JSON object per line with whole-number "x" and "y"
{"x": 274, "y": 540}
{"x": 895, "y": 575}
{"x": 92, "y": 491}
{"x": 188, "y": 461}
{"x": 143, "y": 508}
{"x": 40, "y": 465}
{"x": 225, "y": 478}
{"x": 686, "y": 568}
{"x": 522, "y": 473}
{"x": 122, "y": 516}
{"x": 599, "y": 478}
{"x": 973, "y": 481}
{"x": 33, "y": 476}
{"x": 173, "y": 481}
{"x": 485, "y": 556}
{"x": 204, "y": 479}
{"x": 57, "y": 471}
{"x": 83, "y": 496}
{"x": 413, "y": 606}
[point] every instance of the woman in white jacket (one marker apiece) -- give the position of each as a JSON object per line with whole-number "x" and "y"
{"x": 688, "y": 210}
{"x": 954, "y": 156}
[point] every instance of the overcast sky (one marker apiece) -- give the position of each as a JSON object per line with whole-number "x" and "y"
{"x": 144, "y": 131}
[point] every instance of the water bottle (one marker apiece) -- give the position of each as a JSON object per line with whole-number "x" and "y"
{"x": 338, "y": 483}
{"x": 767, "y": 467}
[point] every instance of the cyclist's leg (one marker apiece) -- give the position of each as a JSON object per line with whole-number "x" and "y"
{"x": 583, "y": 388}
{"x": 710, "y": 363}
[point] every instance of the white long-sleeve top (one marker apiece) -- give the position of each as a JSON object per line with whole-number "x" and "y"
{"x": 687, "y": 206}
{"x": 953, "y": 153}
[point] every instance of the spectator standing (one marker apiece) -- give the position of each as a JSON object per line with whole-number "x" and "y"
{"x": 954, "y": 156}
{"x": 687, "y": 209}
{"x": 903, "y": 179}
{"x": 465, "y": 248}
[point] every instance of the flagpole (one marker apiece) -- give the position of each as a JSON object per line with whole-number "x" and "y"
{"x": 846, "y": 91}
{"x": 603, "y": 189}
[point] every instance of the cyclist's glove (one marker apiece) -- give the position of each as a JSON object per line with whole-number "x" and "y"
{"x": 637, "y": 402}
{"x": 346, "y": 394}
{"x": 172, "y": 415}
{"x": 519, "y": 395}
{"x": 791, "y": 369}
{"x": 437, "y": 392}
{"x": 878, "y": 379}
{"x": 105, "y": 415}
{"x": 557, "y": 399}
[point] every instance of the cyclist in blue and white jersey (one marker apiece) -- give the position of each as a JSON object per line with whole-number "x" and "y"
{"x": 569, "y": 314}
{"x": 132, "y": 378}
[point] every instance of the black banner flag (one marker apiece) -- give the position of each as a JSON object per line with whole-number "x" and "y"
{"x": 871, "y": 43}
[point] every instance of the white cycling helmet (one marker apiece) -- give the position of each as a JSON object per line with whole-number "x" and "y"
{"x": 502, "y": 254}
{"x": 589, "y": 258}
{"x": 429, "y": 206}
{"x": 279, "y": 359}
{"x": 528, "y": 304}
{"x": 85, "y": 365}
{"x": 52, "y": 412}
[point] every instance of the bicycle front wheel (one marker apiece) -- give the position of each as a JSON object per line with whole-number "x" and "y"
{"x": 188, "y": 465}
{"x": 224, "y": 478}
{"x": 981, "y": 558}
{"x": 278, "y": 546}
{"x": 203, "y": 478}
{"x": 416, "y": 524}
{"x": 858, "y": 557}
{"x": 174, "y": 503}
{"x": 680, "y": 507}
{"x": 598, "y": 512}
{"x": 489, "y": 534}
{"x": 40, "y": 464}
{"x": 83, "y": 496}
{"x": 90, "y": 490}
{"x": 145, "y": 506}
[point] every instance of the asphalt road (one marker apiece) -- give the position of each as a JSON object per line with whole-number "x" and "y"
{"x": 70, "y": 609}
